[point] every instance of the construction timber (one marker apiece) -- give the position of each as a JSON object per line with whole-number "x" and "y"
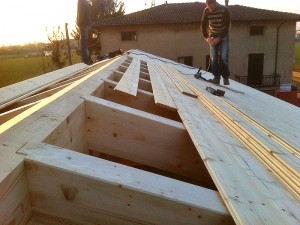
{"x": 138, "y": 140}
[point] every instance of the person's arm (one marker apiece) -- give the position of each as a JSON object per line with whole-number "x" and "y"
{"x": 204, "y": 25}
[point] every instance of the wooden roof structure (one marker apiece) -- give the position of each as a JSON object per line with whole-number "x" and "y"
{"x": 138, "y": 140}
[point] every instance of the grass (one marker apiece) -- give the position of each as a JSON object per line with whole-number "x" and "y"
{"x": 297, "y": 57}
{"x": 18, "y": 68}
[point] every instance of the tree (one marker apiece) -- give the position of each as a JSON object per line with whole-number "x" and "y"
{"x": 76, "y": 36}
{"x": 101, "y": 9}
{"x": 56, "y": 44}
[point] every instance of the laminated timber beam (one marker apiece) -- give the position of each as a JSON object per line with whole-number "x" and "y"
{"x": 143, "y": 101}
{"x": 143, "y": 138}
{"x": 15, "y": 206}
{"x": 86, "y": 190}
{"x": 161, "y": 94}
{"x": 129, "y": 81}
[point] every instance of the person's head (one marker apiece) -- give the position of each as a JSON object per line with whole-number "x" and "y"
{"x": 211, "y": 4}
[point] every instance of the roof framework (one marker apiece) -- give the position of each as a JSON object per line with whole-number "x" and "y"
{"x": 77, "y": 149}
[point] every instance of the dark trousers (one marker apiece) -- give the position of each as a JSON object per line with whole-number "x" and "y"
{"x": 223, "y": 48}
{"x": 84, "y": 37}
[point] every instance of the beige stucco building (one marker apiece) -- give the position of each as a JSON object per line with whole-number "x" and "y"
{"x": 261, "y": 41}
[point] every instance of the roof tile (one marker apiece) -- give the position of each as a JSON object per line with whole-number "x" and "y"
{"x": 191, "y": 13}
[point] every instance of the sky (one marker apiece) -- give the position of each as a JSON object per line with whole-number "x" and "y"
{"x": 25, "y": 21}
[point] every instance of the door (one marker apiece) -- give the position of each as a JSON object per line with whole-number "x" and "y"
{"x": 255, "y": 69}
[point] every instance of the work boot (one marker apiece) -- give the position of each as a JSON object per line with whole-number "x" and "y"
{"x": 226, "y": 81}
{"x": 215, "y": 81}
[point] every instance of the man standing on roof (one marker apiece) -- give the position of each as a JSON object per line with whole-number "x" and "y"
{"x": 215, "y": 28}
{"x": 84, "y": 22}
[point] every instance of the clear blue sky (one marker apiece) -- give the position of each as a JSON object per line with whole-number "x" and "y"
{"x": 24, "y": 21}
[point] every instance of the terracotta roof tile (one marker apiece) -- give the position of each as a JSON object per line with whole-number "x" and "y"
{"x": 191, "y": 13}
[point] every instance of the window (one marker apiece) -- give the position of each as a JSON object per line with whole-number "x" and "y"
{"x": 256, "y": 30}
{"x": 128, "y": 35}
{"x": 187, "y": 60}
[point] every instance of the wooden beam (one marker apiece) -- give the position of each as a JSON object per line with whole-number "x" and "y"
{"x": 143, "y": 101}
{"x": 4, "y": 117}
{"x": 40, "y": 96}
{"x": 145, "y": 85}
{"x": 15, "y": 207}
{"x": 87, "y": 190}
{"x": 144, "y": 138}
{"x": 46, "y": 219}
{"x": 129, "y": 82}
{"x": 68, "y": 81}
{"x": 162, "y": 96}
{"x": 178, "y": 82}
{"x": 6, "y": 126}
{"x": 71, "y": 133}
{"x": 145, "y": 76}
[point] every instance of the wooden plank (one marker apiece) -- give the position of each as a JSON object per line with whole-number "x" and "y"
{"x": 129, "y": 82}
{"x": 40, "y": 96}
{"x": 145, "y": 76}
{"x": 278, "y": 148}
{"x": 244, "y": 183}
{"x": 68, "y": 81}
{"x": 15, "y": 92}
{"x": 71, "y": 133}
{"x": 4, "y": 117}
{"x": 73, "y": 88}
{"x": 45, "y": 219}
{"x": 282, "y": 169}
{"x": 87, "y": 190}
{"x": 162, "y": 96}
{"x": 179, "y": 83}
{"x": 145, "y": 85}
{"x": 143, "y": 101}
{"x": 14, "y": 196}
{"x": 128, "y": 133}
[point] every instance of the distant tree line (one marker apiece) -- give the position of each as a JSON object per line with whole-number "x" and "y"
{"x": 16, "y": 50}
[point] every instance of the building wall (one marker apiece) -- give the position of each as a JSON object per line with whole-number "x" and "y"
{"x": 178, "y": 40}
{"x": 169, "y": 41}
{"x": 242, "y": 44}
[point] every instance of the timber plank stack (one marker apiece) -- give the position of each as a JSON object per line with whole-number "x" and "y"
{"x": 138, "y": 140}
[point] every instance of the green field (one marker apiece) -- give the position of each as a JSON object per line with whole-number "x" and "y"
{"x": 14, "y": 69}
{"x": 297, "y": 57}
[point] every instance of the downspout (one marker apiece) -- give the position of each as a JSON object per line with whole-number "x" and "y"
{"x": 276, "y": 52}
